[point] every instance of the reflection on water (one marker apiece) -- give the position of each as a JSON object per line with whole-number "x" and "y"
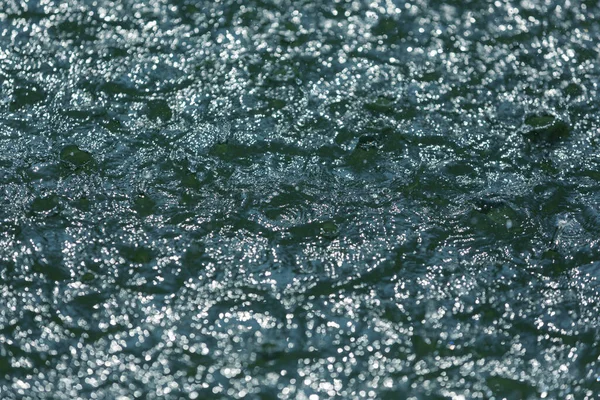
{"x": 291, "y": 200}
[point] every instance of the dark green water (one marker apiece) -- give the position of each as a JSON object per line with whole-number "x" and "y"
{"x": 288, "y": 200}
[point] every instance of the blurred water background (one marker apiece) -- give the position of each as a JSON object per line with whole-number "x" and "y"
{"x": 276, "y": 199}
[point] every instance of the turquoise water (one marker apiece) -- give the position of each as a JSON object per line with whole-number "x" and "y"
{"x": 289, "y": 200}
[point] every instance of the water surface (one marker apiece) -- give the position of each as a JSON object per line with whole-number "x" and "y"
{"x": 288, "y": 200}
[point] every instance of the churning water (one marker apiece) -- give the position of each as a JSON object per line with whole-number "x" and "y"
{"x": 286, "y": 199}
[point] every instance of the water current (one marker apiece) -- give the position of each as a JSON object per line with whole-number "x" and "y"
{"x": 276, "y": 199}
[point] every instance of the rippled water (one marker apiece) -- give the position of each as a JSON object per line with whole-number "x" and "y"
{"x": 284, "y": 199}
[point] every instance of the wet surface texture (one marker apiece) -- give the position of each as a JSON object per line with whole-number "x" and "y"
{"x": 283, "y": 199}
